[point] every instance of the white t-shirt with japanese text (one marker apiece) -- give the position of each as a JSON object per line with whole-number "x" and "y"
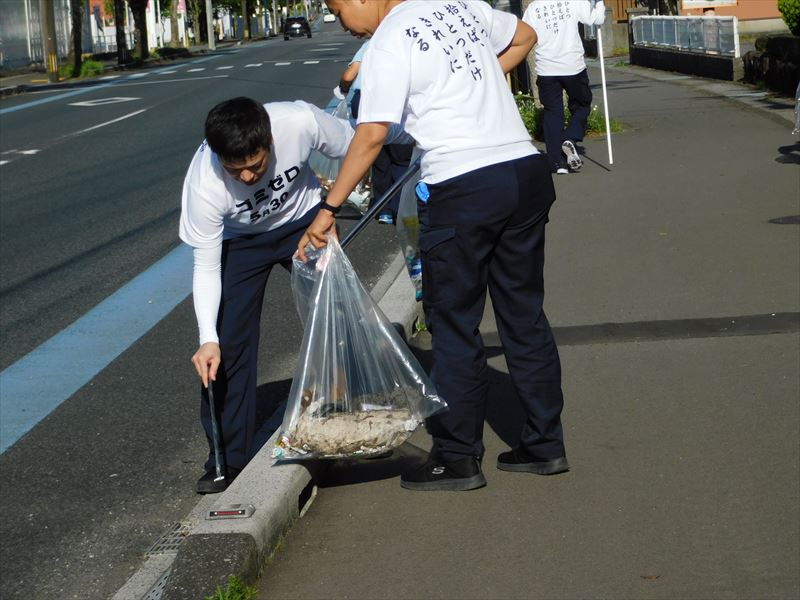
{"x": 434, "y": 64}
{"x": 215, "y": 206}
{"x": 559, "y": 50}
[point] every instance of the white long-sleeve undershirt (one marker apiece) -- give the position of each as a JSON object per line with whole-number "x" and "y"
{"x": 207, "y": 291}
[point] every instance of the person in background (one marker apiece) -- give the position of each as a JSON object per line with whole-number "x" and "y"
{"x": 393, "y": 160}
{"x": 483, "y": 202}
{"x": 350, "y": 81}
{"x": 560, "y": 67}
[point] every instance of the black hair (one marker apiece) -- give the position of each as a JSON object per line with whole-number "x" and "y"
{"x": 238, "y": 128}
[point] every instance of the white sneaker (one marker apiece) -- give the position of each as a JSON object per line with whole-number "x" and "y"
{"x": 562, "y": 171}
{"x": 573, "y": 159}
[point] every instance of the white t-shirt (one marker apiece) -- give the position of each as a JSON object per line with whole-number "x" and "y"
{"x": 435, "y": 64}
{"x": 559, "y": 50}
{"x": 215, "y": 206}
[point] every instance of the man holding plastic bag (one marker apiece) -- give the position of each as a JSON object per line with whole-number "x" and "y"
{"x": 248, "y": 196}
{"x": 483, "y": 203}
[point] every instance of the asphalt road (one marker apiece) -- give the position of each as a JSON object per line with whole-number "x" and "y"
{"x": 90, "y": 198}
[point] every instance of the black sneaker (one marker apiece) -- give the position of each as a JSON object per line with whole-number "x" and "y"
{"x": 208, "y": 483}
{"x": 520, "y": 461}
{"x": 438, "y": 475}
{"x": 573, "y": 158}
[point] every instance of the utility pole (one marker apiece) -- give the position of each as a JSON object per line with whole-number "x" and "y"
{"x": 48, "y": 25}
{"x": 212, "y": 35}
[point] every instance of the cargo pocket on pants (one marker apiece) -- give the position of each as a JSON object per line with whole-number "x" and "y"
{"x": 438, "y": 248}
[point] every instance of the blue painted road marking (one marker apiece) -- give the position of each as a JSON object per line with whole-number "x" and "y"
{"x": 38, "y": 383}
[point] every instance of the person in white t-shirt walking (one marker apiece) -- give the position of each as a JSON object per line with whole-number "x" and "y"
{"x": 483, "y": 202}
{"x": 560, "y": 68}
{"x": 248, "y": 196}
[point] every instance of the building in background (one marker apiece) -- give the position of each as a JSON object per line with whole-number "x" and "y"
{"x": 754, "y": 16}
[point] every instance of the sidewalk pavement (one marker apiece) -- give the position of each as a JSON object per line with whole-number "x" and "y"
{"x": 676, "y": 304}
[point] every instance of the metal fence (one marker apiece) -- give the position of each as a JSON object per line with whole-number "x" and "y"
{"x": 704, "y": 35}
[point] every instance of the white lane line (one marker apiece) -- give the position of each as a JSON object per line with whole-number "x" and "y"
{"x": 122, "y": 118}
{"x": 107, "y": 77}
{"x": 224, "y": 68}
{"x": 138, "y": 75}
{"x": 101, "y": 101}
{"x": 29, "y": 152}
{"x": 322, "y": 49}
{"x": 282, "y": 64}
{"x": 151, "y": 82}
{"x": 4, "y": 162}
{"x": 170, "y": 72}
{"x": 253, "y": 65}
{"x": 198, "y": 69}
{"x": 311, "y": 62}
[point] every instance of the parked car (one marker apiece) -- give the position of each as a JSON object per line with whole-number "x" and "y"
{"x": 296, "y": 27}
{"x": 327, "y": 15}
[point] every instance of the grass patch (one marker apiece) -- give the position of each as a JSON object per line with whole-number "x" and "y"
{"x": 532, "y": 117}
{"x": 89, "y": 68}
{"x": 236, "y": 590}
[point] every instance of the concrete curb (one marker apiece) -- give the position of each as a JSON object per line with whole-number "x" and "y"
{"x": 215, "y": 550}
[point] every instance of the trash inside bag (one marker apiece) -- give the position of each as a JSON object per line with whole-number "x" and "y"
{"x": 358, "y": 390}
{"x": 325, "y": 168}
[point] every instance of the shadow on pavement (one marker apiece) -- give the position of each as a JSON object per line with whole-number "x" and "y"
{"x": 789, "y": 155}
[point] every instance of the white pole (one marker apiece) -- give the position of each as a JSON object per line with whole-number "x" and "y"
{"x": 605, "y": 93}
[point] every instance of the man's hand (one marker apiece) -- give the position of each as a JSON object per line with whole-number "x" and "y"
{"x": 316, "y": 233}
{"x": 206, "y": 362}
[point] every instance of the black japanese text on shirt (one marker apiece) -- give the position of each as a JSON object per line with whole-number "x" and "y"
{"x": 267, "y": 200}
{"x": 456, "y": 31}
{"x": 553, "y": 15}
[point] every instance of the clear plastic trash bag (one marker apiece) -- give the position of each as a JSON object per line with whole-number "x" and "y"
{"x": 327, "y": 169}
{"x": 358, "y": 390}
{"x": 408, "y": 229}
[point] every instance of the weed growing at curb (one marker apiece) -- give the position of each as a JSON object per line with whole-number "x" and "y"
{"x": 236, "y": 590}
{"x": 89, "y": 68}
{"x": 532, "y": 117}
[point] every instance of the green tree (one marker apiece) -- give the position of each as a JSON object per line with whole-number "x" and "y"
{"x": 139, "y": 10}
{"x": 790, "y": 11}
{"x": 123, "y": 54}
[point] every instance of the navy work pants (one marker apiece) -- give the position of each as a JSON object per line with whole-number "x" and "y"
{"x": 485, "y": 230}
{"x": 246, "y": 264}
{"x": 579, "y": 100}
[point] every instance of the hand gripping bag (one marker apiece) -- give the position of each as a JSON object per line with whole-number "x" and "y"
{"x": 358, "y": 390}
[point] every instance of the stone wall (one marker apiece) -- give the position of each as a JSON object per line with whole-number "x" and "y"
{"x": 775, "y": 63}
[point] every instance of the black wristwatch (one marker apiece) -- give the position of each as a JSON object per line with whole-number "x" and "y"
{"x": 333, "y": 209}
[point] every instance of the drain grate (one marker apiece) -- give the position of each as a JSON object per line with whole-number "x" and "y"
{"x": 158, "y": 588}
{"x": 170, "y": 541}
